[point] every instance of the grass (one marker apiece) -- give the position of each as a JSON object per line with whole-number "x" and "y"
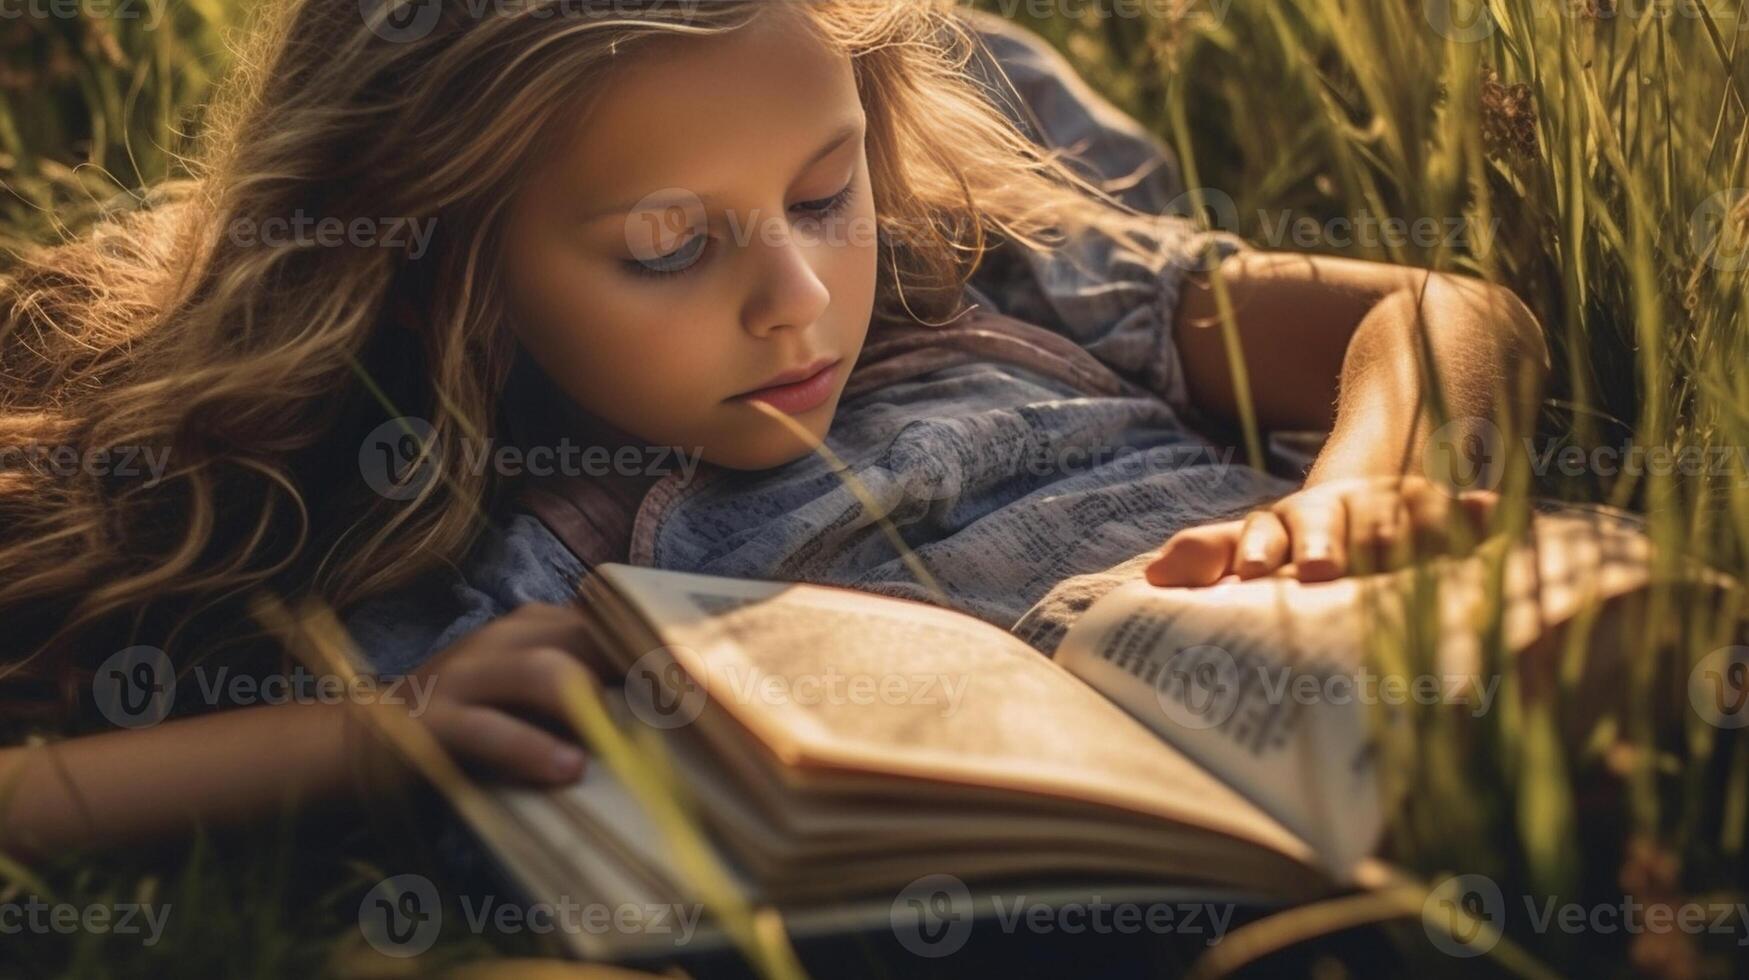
{"x": 94, "y": 107}
{"x": 1595, "y": 160}
{"x": 1592, "y": 156}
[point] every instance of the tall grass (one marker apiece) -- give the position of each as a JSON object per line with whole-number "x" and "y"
{"x": 1594, "y": 156}
{"x": 94, "y": 107}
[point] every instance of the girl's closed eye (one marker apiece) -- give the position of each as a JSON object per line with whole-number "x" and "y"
{"x": 690, "y": 253}
{"x": 829, "y": 205}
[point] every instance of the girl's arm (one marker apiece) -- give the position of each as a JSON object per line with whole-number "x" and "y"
{"x": 127, "y": 787}
{"x": 1334, "y": 345}
{"x": 232, "y": 767}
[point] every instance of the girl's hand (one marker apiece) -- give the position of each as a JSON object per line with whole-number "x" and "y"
{"x": 1328, "y": 530}
{"x": 487, "y": 688}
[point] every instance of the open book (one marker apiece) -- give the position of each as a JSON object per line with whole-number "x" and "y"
{"x": 839, "y": 746}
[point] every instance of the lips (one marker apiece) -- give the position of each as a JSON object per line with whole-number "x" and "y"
{"x": 809, "y": 388}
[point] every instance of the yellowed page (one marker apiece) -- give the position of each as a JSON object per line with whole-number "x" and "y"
{"x": 1269, "y": 682}
{"x": 833, "y": 679}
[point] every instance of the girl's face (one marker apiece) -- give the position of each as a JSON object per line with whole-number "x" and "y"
{"x": 707, "y": 228}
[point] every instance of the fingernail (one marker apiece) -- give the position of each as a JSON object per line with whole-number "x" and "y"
{"x": 567, "y": 761}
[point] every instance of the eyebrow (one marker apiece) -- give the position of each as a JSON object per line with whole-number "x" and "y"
{"x": 839, "y": 137}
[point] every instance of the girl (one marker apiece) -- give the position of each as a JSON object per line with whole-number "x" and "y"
{"x": 651, "y": 224}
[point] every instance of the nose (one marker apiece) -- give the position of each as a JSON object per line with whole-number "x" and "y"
{"x": 786, "y": 290}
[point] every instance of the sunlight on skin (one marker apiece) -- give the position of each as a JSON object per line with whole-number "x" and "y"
{"x": 317, "y": 635}
{"x": 1405, "y": 518}
{"x": 664, "y": 259}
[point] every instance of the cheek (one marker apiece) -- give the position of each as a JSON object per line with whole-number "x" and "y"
{"x": 634, "y": 354}
{"x": 850, "y": 265}
{"x": 863, "y": 277}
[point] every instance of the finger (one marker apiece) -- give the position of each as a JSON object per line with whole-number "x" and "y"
{"x": 1317, "y": 526}
{"x": 1263, "y": 545}
{"x": 1430, "y": 514}
{"x": 538, "y": 624}
{"x": 1378, "y": 530}
{"x": 1196, "y": 556}
{"x": 1478, "y": 507}
{"x": 508, "y": 746}
{"x": 527, "y": 680}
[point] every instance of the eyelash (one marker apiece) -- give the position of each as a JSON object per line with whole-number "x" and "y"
{"x": 822, "y": 208}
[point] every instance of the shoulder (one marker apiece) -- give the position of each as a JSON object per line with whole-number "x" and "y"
{"x": 515, "y": 561}
{"x": 1048, "y": 100}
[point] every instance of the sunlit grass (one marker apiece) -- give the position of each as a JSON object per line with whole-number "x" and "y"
{"x": 1596, "y": 164}
{"x": 96, "y": 107}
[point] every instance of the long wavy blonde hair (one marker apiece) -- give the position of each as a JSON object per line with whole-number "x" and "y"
{"x": 258, "y": 370}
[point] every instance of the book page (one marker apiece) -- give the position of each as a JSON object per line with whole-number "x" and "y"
{"x": 832, "y": 680}
{"x": 1272, "y": 683}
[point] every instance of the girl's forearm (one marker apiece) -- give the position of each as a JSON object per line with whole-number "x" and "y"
{"x": 214, "y": 770}
{"x": 1481, "y": 339}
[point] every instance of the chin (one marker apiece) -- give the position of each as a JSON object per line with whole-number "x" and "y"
{"x": 780, "y": 448}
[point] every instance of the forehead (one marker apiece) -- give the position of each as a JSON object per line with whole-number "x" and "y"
{"x": 706, "y": 113}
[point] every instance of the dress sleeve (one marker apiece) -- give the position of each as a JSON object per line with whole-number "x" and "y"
{"x": 1114, "y": 299}
{"x": 515, "y": 563}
